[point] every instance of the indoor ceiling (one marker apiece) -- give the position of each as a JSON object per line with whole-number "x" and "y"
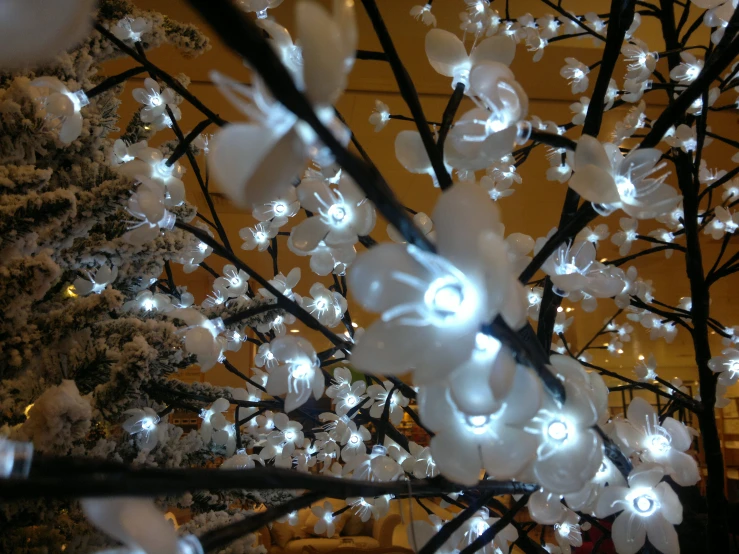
{"x": 533, "y": 208}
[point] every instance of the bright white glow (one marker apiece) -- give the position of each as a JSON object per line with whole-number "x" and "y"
{"x": 148, "y": 423}
{"x": 355, "y": 439}
{"x": 337, "y": 213}
{"x": 163, "y": 171}
{"x": 557, "y": 431}
{"x": 260, "y": 236}
{"x": 301, "y": 371}
{"x": 290, "y": 435}
{"x": 692, "y": 72}
{"x": 235, "y": 281}
{"x": 563, "y": 529}
{"x": 626, "y": 188}
{"x": 733, "y": 367}
{"x": 658, "y": 444}
{"x": 279, "y": 208}
{"x": 202, "y": 247}
{"x": 148, "y": 304}
{"x": 444, "y": 297}
{"x": 328, "y": 517}
{"x": 350, "y": 400}
{"x": 645, "y": 504}
{"x": 477, "y": 424}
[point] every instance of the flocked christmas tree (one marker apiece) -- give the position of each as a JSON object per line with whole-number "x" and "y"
{"x": 94, "y": 328}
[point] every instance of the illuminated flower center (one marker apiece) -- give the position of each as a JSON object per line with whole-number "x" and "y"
{"x": 659, "y": 444}
{"x": 290, "y": 435}
{"x": 279, "y": 208}
{"x": 148, "y": 304}
{"x": 321, "y": 304}
{"x": 563, "y": 528}
{"x": 444, "y": 296}
{"x": 328, "y": 517}
{"x": 534, "y": 299}
{"x": 301, "y": 371}
{"x": 235, "y": 281}
{"x": 486, "y": 343}
{"x": 268, "y": 355}
{"x": 148, "y": 423}
{"x": 337, "y": 213}
{"x": 355, "y": 439}
{"x": 350, "y": 400}
{"x": 260, "y": 236}
{"x": 155, "y": 100}
{"x": 626, "y": 188}
{"x": 202, "y": 247}
{"x": 478, "y": 424}
{"x": 733, "y": 367}
{"x": 557, "y": 431}
{"x": 691, "y": 72}
{"x": 645, "y": 505}
{"x": 278, "y": 320}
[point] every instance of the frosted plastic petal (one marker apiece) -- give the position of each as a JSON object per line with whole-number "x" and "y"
{"x": 462, "y": 215}
{"x": 456, "y": 457}
{"x": 500, "y": 49}
{"x": 505, "y": 459}
{"x": 323, "y": 53}
{"x": 662, "y": 535}
{"x": 545, "y": 508}
{"x": 389, "y": 348}
{"x": 594, "y": 185}
{"x": 640, "y": 412}
{"x": 71, "y": 129}
{"x": 308, "y": 233}
{"x": 346, "y": 21}
{"x": 370, "y": 278}
{"x": 34, "y": 33}
{"x": 628, "y": 533}
{"x": 133, "y": 521}
{"x": 445, "y": 52}
{"x": 314, "y": 195}
{"x": 671, "y": 508}
{"x": 470, "y": 391}
{"x": 410, "y": 152}
{"x": 255, "y": 165}
{"x": 590, "y": 151}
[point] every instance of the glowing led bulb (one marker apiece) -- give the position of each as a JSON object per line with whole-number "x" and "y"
{"x": 301, "y": 371}
{"x": 279, "y": 208}
{"x": 644, "y": 505}
{"x": 557, "y": 430}
{"x": 148, "y": 304}
{"x": 564, "y": 529}
{"x": 290, "y": 435}
{"x": 478, "y": 423}
{"x": 337, "y": 213}
{"x": 659, "y": 444}
{"x": 148, "y": 424}
{"x": 626, "y": 188}
{"x": 350, "y": 400}
{"x": 354, "y": 439}
{"x": 444, "y": 296}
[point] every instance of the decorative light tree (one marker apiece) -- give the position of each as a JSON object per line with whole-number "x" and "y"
{"x": 94, "y": 325}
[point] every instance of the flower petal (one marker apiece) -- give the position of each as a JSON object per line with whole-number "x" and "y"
{"x": 628, "y": 533}
{"x": 253, "y": 164}
{"x": 445, "y": 52}
{"x": 308, "y": 233}
{"x": 324, "y": 72}
{"x": 594, "y": 185}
